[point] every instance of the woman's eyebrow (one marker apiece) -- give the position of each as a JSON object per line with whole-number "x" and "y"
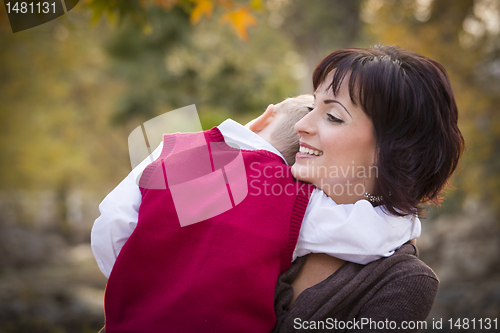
{"x": 328, "y": 101}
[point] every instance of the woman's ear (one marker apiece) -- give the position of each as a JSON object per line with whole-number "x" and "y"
{"x": 261, "y": 122}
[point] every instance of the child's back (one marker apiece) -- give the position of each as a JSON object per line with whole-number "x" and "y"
{"x": 213, "y": 275}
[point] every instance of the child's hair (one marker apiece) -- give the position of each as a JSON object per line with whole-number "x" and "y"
{"x": 284, "y": 138}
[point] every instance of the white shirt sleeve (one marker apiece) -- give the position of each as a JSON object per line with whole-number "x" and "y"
{"x": 120, "y": 209}
{"x": 119, "y": 215}
{"x": 358, "y": 233}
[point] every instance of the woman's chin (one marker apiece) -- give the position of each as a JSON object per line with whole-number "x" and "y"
{"x": 300, "y": 172}
{"x": 294, "y": 171}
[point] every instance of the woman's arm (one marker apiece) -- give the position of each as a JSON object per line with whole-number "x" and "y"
{"x": 401, "y": 305}
{"x": 397, "y": 291}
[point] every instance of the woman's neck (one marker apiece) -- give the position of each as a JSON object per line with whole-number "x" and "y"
{"x": 348, "y": 193}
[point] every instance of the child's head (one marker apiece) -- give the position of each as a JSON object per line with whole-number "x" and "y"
{"x": 279, "y": 131}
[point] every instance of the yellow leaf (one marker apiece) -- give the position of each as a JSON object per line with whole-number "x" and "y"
{"x": 240, "y": 19}
{"x": 256, "y": 4}
{"x": 147, "y": 29}
{"x": 112, "y": 17}
{"x": 202, "y": 8}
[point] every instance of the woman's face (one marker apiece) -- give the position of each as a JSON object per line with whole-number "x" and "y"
{"x": 337, "y": 146}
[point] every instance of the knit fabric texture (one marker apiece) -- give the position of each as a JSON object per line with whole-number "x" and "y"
{"x": 214, "y": 275}
{"x": 400, "y": 288}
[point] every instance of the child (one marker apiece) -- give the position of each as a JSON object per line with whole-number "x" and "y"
{"x": 219, "y": 274}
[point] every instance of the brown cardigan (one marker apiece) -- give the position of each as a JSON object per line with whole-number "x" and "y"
{"x": 400, "y": 288}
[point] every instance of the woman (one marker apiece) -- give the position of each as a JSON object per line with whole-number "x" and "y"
{"x": 385, "y": 120}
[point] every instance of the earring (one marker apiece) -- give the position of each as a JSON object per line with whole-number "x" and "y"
{"x": 371, "y": 198}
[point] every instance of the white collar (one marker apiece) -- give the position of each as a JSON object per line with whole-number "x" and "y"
{"x": 239, "y": 136}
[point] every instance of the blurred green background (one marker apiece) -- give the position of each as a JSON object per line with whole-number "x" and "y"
{"x": 72, "y": 90}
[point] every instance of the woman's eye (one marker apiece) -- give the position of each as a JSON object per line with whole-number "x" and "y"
{"x": 334, "y": 119}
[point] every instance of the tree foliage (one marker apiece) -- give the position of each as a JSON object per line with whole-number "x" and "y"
{"x": 179, "y": 64}
{"x": 55, "y": 105}
{"x": 238, "y": 14}
{"x": 231, "y": 59}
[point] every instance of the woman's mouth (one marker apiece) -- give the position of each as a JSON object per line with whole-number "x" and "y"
{"x": 306, "y": 150}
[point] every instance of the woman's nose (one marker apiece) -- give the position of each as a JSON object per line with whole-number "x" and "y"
{"x": 305, "y": 125}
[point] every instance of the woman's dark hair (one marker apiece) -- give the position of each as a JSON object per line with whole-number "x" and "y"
{"x": 410, "y": 102}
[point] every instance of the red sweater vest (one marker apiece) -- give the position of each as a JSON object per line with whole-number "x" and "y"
{"x": 206, "y": 258}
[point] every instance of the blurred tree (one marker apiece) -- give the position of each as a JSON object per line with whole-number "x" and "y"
{"x": 54, "y": 113}
{"x": 158, "y": 60}
{"x": 236, "y": 13}
{"x": 52, "y": 99}
{"x": 322, "y": 26}
{"x": 59, "y": 91}
{"x": 179, "y": 64}
{"x": 317, "y": 28}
